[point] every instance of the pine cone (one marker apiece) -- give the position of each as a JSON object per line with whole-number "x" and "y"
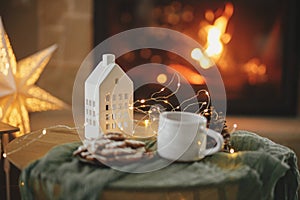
{"x": 213, "y": 124}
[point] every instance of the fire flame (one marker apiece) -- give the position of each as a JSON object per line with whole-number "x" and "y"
{"x": 204, "y": 61}
{"x": 216, "y": 37}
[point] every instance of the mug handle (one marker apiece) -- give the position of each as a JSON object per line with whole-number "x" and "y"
{"x": 219, "y": 139}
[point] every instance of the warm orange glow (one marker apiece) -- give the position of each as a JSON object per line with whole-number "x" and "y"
{"x": 221, "y": 24}
{"x": 203, "y": 60}
{"x": 161, "y": 78}
{"x": 191, "y": 76}
{"x": 146, "y": 122}
{"x": 145, "y": 53}
{"x": 130, "y": 56}
{"x": 209, "y": 15}
{"x": 173, "y": 19}
{"x": 228, "y": 10}
{"x": 226, "y": 38}
{"x": 214, "y": 44}
{"x": 156, "y": 59}
{"x": 255, "y": 70}
{"x": 215, "y": 32}
{"x": 187, "y": 16}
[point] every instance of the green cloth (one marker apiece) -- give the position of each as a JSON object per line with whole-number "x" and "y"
{"x": 261, "y": 168}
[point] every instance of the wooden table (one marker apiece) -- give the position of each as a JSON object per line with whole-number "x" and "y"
{"x": 5, "y": 130}
{"x": 30, "y": 147}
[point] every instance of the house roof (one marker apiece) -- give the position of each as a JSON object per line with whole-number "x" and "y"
{"x": 102, "y": 70}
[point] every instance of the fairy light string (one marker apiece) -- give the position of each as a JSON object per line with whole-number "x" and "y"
{"x": 204, "y": 108}
{"x": 164, "y": 99}
{"x": 146, "y": 108}
{"x": 159, "y": 99}
{"x": 29, "y": 137}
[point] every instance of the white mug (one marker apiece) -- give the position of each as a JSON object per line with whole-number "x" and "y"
{"x": 182, "y": 136}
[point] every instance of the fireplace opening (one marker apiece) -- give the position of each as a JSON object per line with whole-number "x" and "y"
{"x": 254, "y": 46}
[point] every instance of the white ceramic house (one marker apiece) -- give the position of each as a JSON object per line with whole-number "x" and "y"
{"x": 108, "y": 99}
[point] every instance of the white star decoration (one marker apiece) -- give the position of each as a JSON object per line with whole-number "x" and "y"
{"x": 18, "y": 92}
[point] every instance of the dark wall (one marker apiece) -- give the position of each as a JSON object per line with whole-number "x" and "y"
{"x": 20, "y": 23}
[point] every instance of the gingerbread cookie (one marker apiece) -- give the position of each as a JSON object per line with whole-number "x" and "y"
{"x": 112, "y": 148}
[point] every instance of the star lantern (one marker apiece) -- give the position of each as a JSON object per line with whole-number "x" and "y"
{"x": 18, "y": 92}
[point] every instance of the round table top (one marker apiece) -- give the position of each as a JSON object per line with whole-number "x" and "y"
{"x": 257, "y": 161}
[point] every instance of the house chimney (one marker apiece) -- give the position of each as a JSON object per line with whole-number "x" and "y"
{"x": 108, "y": 59}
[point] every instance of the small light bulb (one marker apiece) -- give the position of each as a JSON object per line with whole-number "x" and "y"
{"x": 44, "y": 132}
{"x": 146, "y": 122}
{"x": 4, "y": 155}
{"x": 234, "y": 128}
{"x": 231, "y": 150}
{"x": 143, "y": 101}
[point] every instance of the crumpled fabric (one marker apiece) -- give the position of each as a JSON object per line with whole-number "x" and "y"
{"x": 260, "y": 168}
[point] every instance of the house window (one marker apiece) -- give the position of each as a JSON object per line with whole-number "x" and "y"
{"x": 107, "y": 97}
{"x": 87, "y": 111}
{"x": 120, "y": 106}
{"x": 125, "y": 96}
{"x": 106, "y": 107}
{"x": 90, "y": 103}
{"x": 107, "y": 127}
{"x": 114, "y": 107}
{"x": 107, "y": 116}
{"x": 113, "y": 126}
{"x": 94, "y": 104}
{"x": 125, "y": 105}
{"x": 118, "y": 115}
{"x": 94, "y": 123}
{"x": 114, "y": 97}
{"x": 120, "y": 125}
{"x": 116, "y": 81}
{"x": 90, "y": 112}
{"x": 125, "y": 124}
{"x": 120, "y": 96}
{"x": 87, "y": 102}
{"x": 113, "y": 116}
{"x": 94, "y": 113}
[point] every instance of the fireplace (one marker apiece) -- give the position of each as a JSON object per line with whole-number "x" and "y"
{"x": 254, "y": 45}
